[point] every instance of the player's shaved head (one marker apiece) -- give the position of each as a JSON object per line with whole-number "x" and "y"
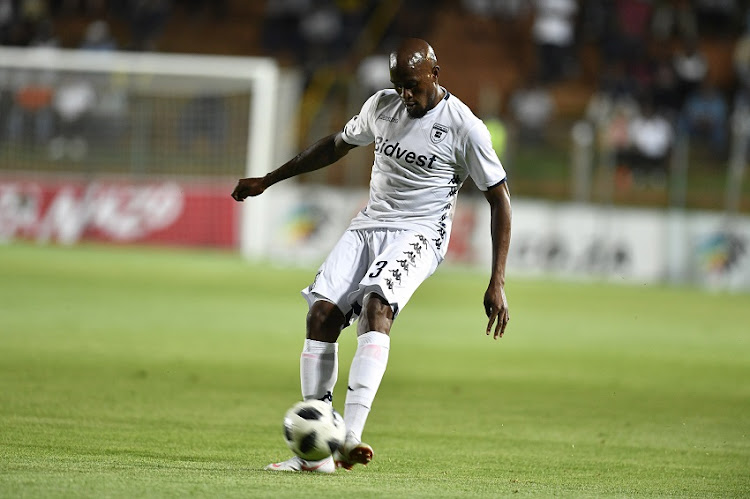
{"x": 414, "y": 74}
{"x": 413, "y": 53}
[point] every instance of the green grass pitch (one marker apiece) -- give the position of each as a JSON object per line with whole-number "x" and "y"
{"x": 155, "y": 373}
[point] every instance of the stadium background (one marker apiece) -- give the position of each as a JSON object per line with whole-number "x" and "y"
{"x": 141, "y": 355}
{"x": 559, "y": 83}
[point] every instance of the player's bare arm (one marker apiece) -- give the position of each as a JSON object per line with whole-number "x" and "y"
{"x": 495, "y": 302}
{"x": 324, "y": 152}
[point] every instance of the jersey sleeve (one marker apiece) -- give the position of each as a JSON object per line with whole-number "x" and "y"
{"x": 358, "y": 130}
{"x": 480, "y": 159}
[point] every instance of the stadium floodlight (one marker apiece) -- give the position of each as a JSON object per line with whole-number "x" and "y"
{"x": 156, "y": 106}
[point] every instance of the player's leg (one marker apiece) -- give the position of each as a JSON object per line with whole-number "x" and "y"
{"x": 370, "y": 361}
{"x": 365, "y": 375}
{"x": 325, "y": 321}
{"x": 329, "y": 313}
{"x": 318, "y": 367}
{"x": 404, "y": 260}
{"x": 319, "y": 358}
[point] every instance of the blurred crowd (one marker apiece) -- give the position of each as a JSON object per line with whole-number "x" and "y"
{"x": 32, "y": 22}
{"x": 658, "y": 85}
{"x": 654, "y": 81}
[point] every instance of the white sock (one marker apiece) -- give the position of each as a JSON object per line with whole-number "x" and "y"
{"x": 365, "y": 375}
{"x": 318, "y": 370}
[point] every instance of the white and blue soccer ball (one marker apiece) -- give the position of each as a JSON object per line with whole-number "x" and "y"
{"x": 313, "y": 429}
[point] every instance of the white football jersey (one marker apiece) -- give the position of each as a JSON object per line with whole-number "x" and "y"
{"x": 421, "y": 163}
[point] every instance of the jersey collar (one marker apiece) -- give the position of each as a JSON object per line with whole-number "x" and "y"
{"x": 439, "y": 104}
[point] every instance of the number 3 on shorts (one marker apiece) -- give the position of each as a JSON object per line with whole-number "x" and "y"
{"x": 380, "y": 266}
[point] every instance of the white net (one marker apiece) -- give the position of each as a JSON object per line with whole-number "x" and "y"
{"x": 112, "y": 114}
{"x": 93, "y": 115}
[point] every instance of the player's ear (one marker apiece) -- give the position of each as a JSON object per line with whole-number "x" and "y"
{"x": 435, "y": 71}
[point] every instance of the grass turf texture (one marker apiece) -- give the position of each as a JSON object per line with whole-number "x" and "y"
{"x": 137, "y": 373}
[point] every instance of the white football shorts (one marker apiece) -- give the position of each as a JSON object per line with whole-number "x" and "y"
{"x": 391, "y": 263}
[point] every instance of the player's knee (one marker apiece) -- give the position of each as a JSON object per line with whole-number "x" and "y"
{"x": 377, "y": 314}
{"x": 324, "y": 321}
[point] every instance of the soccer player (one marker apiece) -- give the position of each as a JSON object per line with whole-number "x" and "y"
{"x": 427, "y": 142}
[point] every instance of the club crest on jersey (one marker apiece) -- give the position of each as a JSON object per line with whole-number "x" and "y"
{"x": 438, "y": 133}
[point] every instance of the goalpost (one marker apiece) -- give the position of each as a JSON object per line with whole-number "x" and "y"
{"x": 141, "y": 115}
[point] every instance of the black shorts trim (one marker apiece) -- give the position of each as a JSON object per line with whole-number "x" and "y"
{"x": 499, "y": 183}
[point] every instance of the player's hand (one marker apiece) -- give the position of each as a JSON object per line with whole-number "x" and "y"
{"x": 248, "y": 187}
{"x": 496, "y": 308}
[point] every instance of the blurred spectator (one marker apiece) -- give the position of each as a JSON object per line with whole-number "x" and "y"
{"x": 107, "y": 118}
{"x": 665, "y": 88}
{"x": 704, "y": 117}
{"x": 98, "y": 37}
{"x": 532, "y": 108}
{"x": 553, "y": 34}
{"x": 26, "y": 23}
{"x": 489, "y": 110}
{"x": 44, "y": 34}
{"x": 147, "y": 21}
{"x": 611, "y": 110}
{"x": 29, "y": 95}
{"x": 482, "y": 8}
{"x": 30, "y": 112}
{"x": 673, "y": 18}
{"x": 650, "y": 138}
{"x": 691, "y": 68}
{"x": 599, "y": 109}
{"x": 512, "y": 9}
{"x": 281, "y": 27}
{"x": 73, "y": 102}
{"x": 506, "y": 9}
{"x": 6, "y": 18}
{"x": 629, "y": 31}
{"x": 322, "y": 30}
{"x": 615, "y": 124}
{"x": 499, "y": 134}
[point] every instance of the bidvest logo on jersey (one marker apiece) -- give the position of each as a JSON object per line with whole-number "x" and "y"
{"x": 394, "y": 150}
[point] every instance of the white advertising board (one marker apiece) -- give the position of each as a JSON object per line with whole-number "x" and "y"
{"x": 571, "y": 240}
{"x": 565, "y": 240}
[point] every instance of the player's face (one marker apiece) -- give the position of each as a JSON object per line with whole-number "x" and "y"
{"x": 417, "y": 88}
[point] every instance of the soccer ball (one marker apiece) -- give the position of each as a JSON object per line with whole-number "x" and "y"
{"x": 313, "y": 429}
